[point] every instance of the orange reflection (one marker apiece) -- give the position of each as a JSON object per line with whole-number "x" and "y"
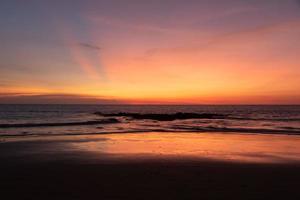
{"x": 229, "y": 147}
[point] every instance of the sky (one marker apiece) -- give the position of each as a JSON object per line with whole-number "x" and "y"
{"x": 152, "y": 52}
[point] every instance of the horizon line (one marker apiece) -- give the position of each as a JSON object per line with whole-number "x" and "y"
{"x": 154, "y": 104}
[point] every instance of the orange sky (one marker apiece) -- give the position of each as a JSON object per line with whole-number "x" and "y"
{"x": 195, "y": 52}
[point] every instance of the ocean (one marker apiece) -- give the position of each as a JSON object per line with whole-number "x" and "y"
{"x": 47, "y": 120}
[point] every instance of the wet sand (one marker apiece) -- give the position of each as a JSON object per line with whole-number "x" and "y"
{"x": 151, "y": 166}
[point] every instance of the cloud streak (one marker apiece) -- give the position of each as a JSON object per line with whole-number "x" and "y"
{"x": 25, "y": 98}
{"x": 229, "y": 38}
{"x": 90, "y": 46}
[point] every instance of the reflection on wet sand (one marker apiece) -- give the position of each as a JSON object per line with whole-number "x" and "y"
{"x": 218, "y": 146}
{"x": 151, "y": 166}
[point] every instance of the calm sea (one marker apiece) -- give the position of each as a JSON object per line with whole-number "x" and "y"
{"x": 24, "y": 120}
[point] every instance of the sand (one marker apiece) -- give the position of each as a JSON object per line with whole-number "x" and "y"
{"x": 151, "y": 166}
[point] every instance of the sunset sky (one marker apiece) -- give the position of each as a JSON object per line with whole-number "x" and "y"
{"x": 150, "y": 51}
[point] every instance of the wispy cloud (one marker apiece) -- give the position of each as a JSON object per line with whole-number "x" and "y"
{"x": 24, "y": 98}
{"x": 90, "y": 46}
{"x": 230, "y": 37}
{"x": 137, "y": 26}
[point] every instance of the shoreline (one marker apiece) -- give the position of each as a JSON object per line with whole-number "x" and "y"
{"x": 151, "y": 166}
{"x": 200, "y": 131}
{"x": 162, "y": 144}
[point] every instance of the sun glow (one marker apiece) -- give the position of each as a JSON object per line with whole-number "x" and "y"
{"x": 193, "y": 59}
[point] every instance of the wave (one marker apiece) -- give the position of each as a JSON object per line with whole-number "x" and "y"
{"x": 182, "y": 116}
{"x": 264, "y": 119}
{"x": 181, "y": 130}
{"x": 29, "y": 125}
{"x": 128, "y": 122}
{"x": 217, "y": 130}
{"x": 165, "y": 117}
{"x": 291, "y": 131}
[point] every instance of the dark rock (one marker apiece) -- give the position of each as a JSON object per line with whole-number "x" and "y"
{"x": 164, "y": 117}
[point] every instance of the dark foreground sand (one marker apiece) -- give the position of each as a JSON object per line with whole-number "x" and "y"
{"x": 43, "y": 169}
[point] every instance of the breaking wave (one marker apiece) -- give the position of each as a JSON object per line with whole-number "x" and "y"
{"x": 81, "y": 120}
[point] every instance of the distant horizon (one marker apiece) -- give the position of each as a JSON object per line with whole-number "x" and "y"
{"x": 161, "y": 104}
{"x": 136, "y": 104}
{"x": 88, "y": 99}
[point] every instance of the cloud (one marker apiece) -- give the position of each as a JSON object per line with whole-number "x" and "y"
{"x": 4, "y": 84}
{"x": 90, "y": 46}
{"x": 125, "y": 24}
{"x": 229, "y": 38}
{"x": 24, "y": 98}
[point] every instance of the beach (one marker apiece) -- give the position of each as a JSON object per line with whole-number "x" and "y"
{"x": 150, "y": 100}
{"x": 151, "y": 166}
